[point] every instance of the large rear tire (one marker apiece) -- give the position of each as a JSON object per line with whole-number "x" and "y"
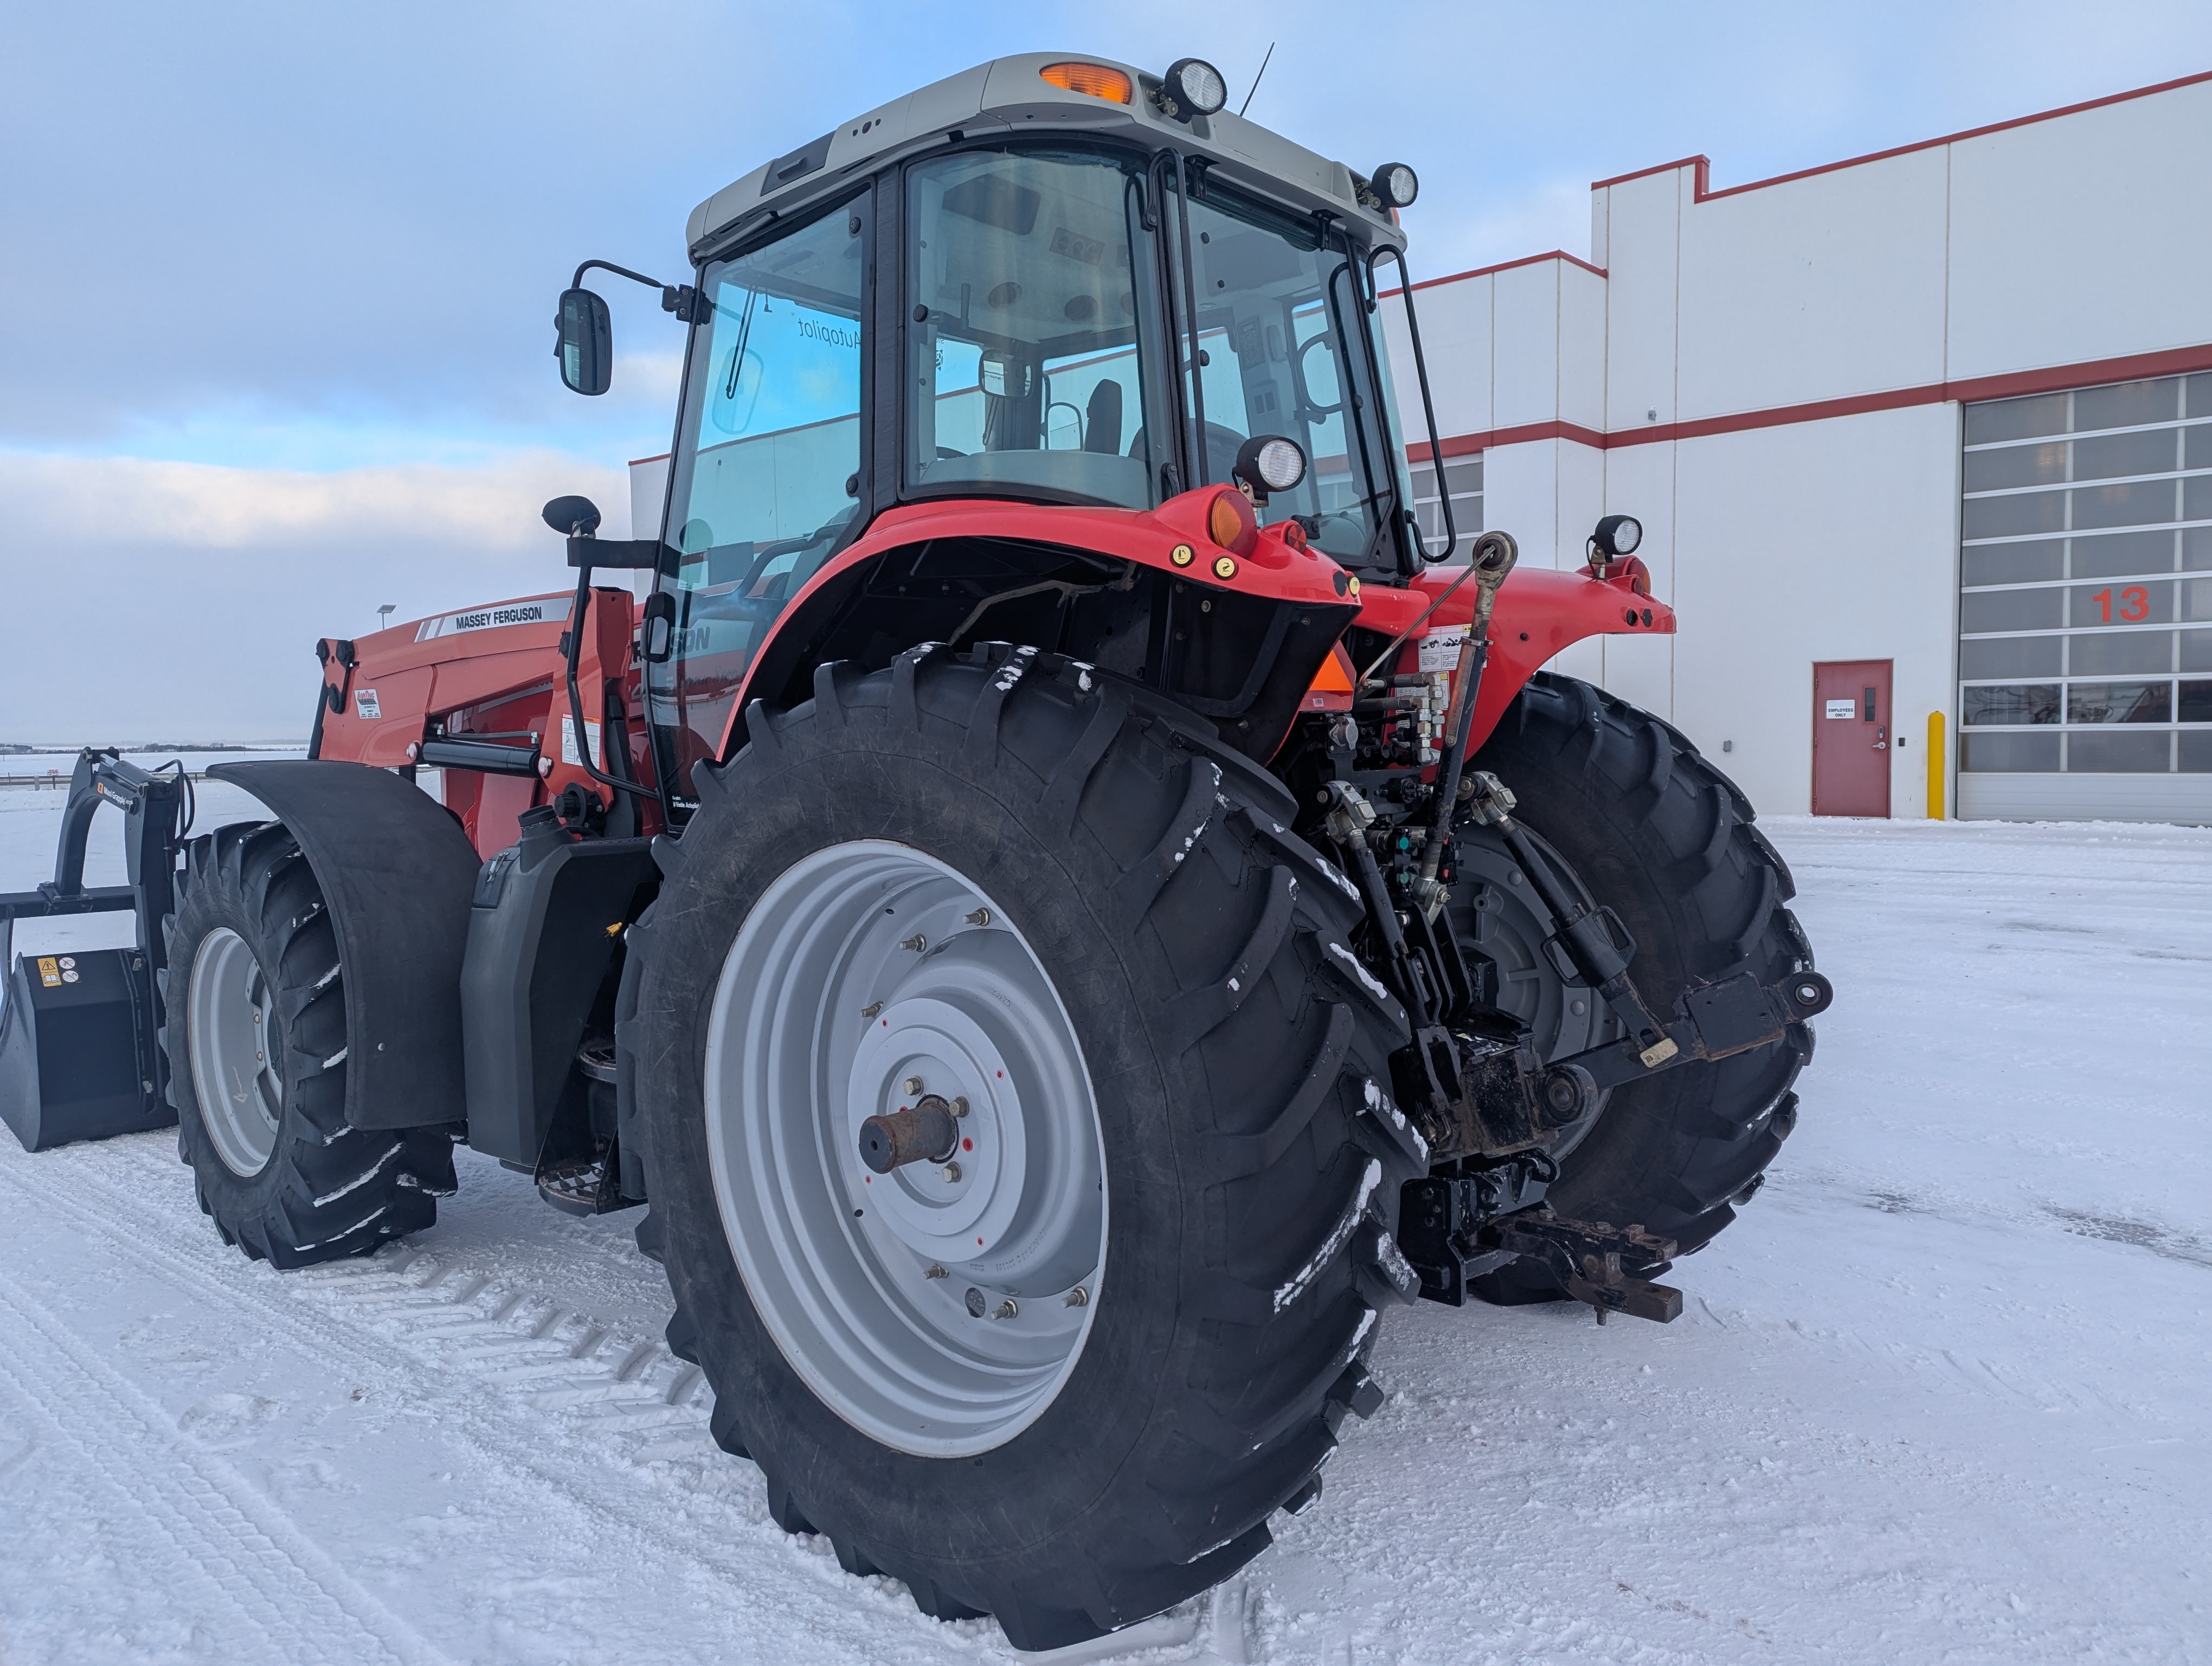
{"x": 255, "y": 1030}
{"x": 1665, "y": 839}
{"x": 1158, "y": 970}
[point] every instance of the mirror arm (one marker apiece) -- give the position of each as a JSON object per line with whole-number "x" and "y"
{"x": 634, "y": 555}
{"x": 680, "y": 299}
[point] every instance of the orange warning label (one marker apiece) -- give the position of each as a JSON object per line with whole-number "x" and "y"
{"x": 50, "y": 971}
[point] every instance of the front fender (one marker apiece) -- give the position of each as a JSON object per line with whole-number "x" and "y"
{"x": 1539, "y": 613}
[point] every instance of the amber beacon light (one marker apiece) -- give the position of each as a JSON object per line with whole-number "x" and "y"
{"x": 1095, "y": 80}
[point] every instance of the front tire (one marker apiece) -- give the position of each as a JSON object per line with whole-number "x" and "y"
{"x": 255, "y": 1030}
{"x": 1244, "y": 1159}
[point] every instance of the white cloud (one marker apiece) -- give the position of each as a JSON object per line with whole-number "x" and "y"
{"x": 208, "y": 506}
{"x": 183, "y": 600}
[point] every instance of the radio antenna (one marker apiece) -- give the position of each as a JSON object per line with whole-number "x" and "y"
{"x": 1246, "y": 104}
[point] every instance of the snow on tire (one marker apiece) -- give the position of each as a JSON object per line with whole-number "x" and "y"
{"x": 1247, "y": 1169}
{"x": 255, "y": 1032}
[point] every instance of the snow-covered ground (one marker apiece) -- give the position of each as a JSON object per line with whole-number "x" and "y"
{"x": 1944, "y": 1393}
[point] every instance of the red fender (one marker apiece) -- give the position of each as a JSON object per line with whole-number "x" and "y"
{"x": 1175, "y": 538}
{"x": 1539, "y": 612}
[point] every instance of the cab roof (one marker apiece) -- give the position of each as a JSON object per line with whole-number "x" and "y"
{"x": 1008, "y": 96}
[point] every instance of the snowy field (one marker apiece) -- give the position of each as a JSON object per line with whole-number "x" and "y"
{"x": 1943, "y": 1394}
{"x": 52, "y": 770}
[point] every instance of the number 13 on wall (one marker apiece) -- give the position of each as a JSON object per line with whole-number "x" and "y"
{"x": 2134, "y": 605}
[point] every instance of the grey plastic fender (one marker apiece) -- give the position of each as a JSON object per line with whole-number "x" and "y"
{"x": 396, "y": 872}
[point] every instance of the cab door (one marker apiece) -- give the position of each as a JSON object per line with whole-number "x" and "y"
{"x": 1851, "y": 723}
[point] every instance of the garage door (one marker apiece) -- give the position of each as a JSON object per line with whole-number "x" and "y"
{"x": 2085, "y": 607}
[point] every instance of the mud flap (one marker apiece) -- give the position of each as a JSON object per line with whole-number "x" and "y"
{"x": 76, "y": 1053}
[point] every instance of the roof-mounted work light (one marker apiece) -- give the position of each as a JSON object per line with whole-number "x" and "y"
{"x": 1192, "y": 87}
{"x": 1396, "y": 183}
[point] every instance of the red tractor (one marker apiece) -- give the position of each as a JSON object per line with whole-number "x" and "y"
{"x": 1066, "y": 901}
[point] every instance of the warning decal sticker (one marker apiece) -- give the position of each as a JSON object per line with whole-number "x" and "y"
{"x": 1440, "y": 648}
{"x": 49, "y": 972}
{"x": 547, "y": 609}
{"x": 568, "y": 754}
{"x": 364, "y": 703}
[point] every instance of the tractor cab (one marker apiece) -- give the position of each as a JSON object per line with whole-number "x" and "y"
{"x": 1076, "y": 286}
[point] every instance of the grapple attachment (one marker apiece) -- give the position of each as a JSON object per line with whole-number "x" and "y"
{"x": 80, "y": 1031}
{"x": 78, "y": 1057}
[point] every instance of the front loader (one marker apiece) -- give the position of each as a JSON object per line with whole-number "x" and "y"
{"x": 1063, "y": 906}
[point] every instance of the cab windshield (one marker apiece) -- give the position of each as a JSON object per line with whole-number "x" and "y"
{"x": 1286, "y": 345}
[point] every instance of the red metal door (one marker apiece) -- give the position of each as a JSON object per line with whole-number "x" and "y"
{"x": 1850, "y": 737}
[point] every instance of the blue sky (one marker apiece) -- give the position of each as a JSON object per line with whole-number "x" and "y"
{"x": 278, "y": 280}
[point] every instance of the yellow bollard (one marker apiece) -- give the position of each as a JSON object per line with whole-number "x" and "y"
{"x": 1935, "y": 766}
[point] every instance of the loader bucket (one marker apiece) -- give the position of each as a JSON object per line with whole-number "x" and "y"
{"x": 76, "y": 1061}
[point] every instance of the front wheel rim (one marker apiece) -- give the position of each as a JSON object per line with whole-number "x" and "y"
{"x": 231, "y": 1032}
{"x": 938, "y": 1308}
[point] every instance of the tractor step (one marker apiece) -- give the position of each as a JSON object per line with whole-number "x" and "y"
{"x": 584, "y": 1186}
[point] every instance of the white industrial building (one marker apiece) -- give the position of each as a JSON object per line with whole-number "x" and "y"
{"x": 1934, "y": 423}
{"x": 1922, "y": 444}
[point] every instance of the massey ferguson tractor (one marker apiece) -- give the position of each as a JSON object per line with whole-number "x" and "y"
{"x": 1063, "y": 903}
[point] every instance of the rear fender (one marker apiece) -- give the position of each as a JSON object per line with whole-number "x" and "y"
{"x": 1174, "y": 539}
{"x": 1539, "y": 613}
{"x": 396, "y": 872}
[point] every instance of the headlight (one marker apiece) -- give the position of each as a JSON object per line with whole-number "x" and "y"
{"x": 1269, "y": 463}
{"x": 1617, "y": 535}
{"x": 1196, "y": 85}
{"x": 1396, "y": 183}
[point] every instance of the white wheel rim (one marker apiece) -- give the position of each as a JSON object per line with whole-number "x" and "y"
{"x": 824, "y": 1013}
{"x": 231, "y": 1033}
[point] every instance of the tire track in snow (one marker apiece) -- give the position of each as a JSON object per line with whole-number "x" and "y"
{"x": 300, "y": 1602}
{"x": 367, "y": 1317}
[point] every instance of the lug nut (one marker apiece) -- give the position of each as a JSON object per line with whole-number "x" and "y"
{"x": 960, "y": 1108}
{"x": 1079, "y": 1297}
{"x": 981, "y": 917}
{"x": 913, "y": 1085}
{"x": 1006, "y": 1310}
{"x": 933, "y": 1271}
{"x": 951, "y": 1172}
{"x": 917, "y": 943}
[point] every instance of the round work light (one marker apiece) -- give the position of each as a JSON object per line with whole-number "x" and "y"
{"x": 1269, "y": 463}
{"x": 1196, "y": 85}
{"x": 1396, "y": 183}
{"x": 1617, "y": 535}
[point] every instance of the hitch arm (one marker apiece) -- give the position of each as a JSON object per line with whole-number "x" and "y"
{"x": 1587, "y": 1257}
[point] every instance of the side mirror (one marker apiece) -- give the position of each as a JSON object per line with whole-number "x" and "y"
{"x": 573, "y": 517}
{"x": 587, "y": 344}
